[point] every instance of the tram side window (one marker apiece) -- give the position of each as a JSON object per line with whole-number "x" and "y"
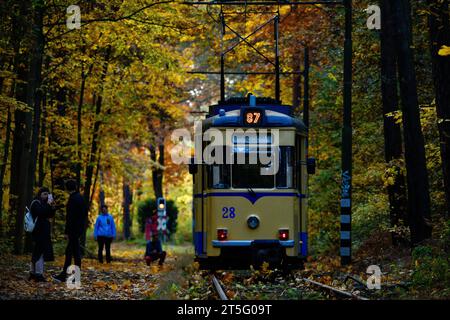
{"x": 219, "y": 176}
{"x": 286, "y": 172}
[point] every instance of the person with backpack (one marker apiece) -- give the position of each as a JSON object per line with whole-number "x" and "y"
{"x": 41, "y": 209}
{"x": 104, "y": 233}
{"x": 76, "y": 219}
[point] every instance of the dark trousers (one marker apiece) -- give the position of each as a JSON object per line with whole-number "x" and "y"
{"x": 155, "y": 256}
{"x": 72, "y": 250}
{"x": 104, "y": 242}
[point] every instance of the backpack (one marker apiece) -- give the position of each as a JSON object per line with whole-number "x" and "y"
{"x": 28, "y": 222}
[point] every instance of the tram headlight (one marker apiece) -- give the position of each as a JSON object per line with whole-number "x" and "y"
{"x": 253, "y": 222}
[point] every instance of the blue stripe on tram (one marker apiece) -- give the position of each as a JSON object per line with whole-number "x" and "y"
{"x": 304, "y": 243}
{"x": 198, "y": 242}
{"x": 249, "y": 196}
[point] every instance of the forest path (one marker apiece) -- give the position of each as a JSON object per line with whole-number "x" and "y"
{"x": 127, "y": 277}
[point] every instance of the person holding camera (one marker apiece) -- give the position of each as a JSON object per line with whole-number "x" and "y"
{"x": 42, "y": 209}
{"x": 104, "y": 233}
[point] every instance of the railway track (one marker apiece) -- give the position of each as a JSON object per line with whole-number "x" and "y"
{"x": 219, "y": 288}
{"x": 335, "y": 291}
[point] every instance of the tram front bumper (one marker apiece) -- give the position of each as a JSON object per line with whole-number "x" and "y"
{"x": 251, "y": 243}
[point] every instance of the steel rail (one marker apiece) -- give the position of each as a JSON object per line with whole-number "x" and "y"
{"x": 219, "y": 289}
{"x": 341, "y": 292}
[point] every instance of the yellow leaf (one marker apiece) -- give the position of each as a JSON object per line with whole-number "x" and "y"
{"x": 127, "y": 283}
{"x": 154, "y": 269}
{"x": 113, "y": 287}
{"x": 444, "y": 51}
{"x": 100, "y": 284}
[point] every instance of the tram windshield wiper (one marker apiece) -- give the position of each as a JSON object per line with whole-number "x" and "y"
{"x": 251, "y": 191}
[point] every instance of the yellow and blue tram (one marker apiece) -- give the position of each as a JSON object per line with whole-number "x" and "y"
{"x": 242, "y": 217}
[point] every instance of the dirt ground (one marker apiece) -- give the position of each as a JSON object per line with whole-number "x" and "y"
{"x": 127, "y": 277}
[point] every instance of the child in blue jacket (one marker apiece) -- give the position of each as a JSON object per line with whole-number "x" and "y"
{"x": 104, "y": 233}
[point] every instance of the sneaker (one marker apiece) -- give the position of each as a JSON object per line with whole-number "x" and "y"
{"x": 60, "y": 277}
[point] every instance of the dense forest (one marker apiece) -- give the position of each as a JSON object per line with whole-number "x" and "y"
{"x": 97, "y": 102}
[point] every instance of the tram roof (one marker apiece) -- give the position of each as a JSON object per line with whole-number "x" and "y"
{"x": 235, "y": 103}
{"x": 228, "y": 114}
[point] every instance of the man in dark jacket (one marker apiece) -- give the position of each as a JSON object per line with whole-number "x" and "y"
{"x": 76, "y": 218}
{"x": 154, "y": 251}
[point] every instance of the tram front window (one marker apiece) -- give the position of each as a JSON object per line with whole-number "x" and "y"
{"x": 219, "y": 176}
{"x": 249, "y": 176}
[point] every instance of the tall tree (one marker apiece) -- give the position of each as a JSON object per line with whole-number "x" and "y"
{"x": 296, "y": 83}
{"x": 84, "y": 75}
{"x": 22, "y": 122}
{"x": 417, "y": 176}
{"x": 439, "y": 28}
{"x": 393, "y": 149}
{"x": 34, "y": 97}
{"x": 95, "y": 143}
{"x": 96, "y": 130}
{"x": 41, "y": 171}
{"x": 4, "y": 162}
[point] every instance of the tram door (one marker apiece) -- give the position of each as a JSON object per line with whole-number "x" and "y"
{"x": 199, "y": 210}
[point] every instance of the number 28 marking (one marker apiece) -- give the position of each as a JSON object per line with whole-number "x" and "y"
{"x": 228, "y": 213}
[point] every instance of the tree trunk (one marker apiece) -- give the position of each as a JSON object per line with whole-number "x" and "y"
{"x": 34, "y": 90}
{"x": 34, "y": 99}
{"x": 101, "y": 194}
{"x": 60, "y": 161}
{"x": 22, "y": 128}
{"x": 127, "y": 200}
{"x": 79, "y": 123}
{"x": 392, "y": 134}
{"x": 94, "y": 185}
{"x": 41, "y": 173}
{"x": 94, "y": 145}
{"x": 439, "y": 25}
{"x": 296, "y": 85}
{"x": 417, "y": 176}
{"x": 4, "y": 164}
{"x": 157, "y": 172}
{"x": 19, "y": 174}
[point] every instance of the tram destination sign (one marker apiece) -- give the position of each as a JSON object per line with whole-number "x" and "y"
{"x": 252, "y": 117}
